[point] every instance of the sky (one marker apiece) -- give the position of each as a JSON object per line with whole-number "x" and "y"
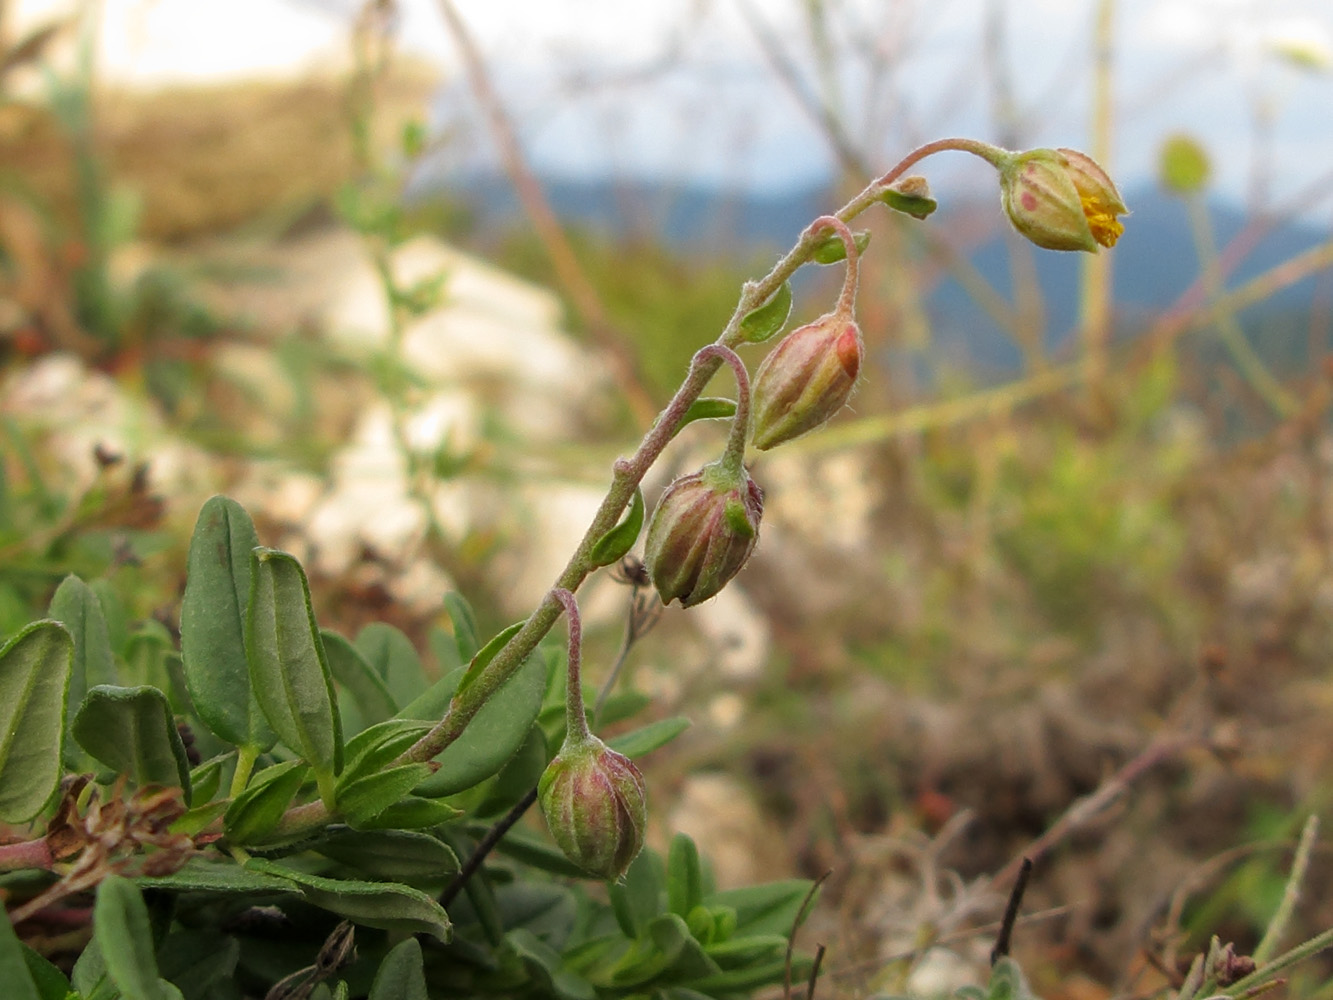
{"x": 683, "y": 90}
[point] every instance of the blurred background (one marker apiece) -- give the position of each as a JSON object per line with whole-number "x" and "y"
{"x": 405, "y": 277}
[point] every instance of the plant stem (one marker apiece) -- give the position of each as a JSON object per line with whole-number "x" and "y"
{"x": 733, "y": 459}
{"x": 576, "y": 720}
{"x": 627, "y": 474}
{"x": 25, "y": 854}
{"x": 245, "y": 763}
{"x": 847, "y": 300}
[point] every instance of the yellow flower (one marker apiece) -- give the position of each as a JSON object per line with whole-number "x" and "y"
{"x": 1061, "y": 199}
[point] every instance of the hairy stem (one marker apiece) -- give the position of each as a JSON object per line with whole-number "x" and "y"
{"x": 626, "y": 476}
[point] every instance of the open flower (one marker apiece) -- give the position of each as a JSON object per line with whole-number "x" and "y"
{"x": 1061, "y": 199}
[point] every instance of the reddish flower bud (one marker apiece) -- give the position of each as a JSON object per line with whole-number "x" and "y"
{"x": 704, "y": 528}
{"x": 1060, "y": 199}
{"x": 806, "y": 379}
{"x": 595, "y": 805}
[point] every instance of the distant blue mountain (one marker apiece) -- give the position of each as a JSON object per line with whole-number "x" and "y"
{"x": 1154, "y": 262}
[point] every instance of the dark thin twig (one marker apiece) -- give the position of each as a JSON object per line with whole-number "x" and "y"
{"x": 796, "y": 926}
{"x": 485, "y": 846}
{"x": 814, "y": 972}
{"x": 1002, "y": 939}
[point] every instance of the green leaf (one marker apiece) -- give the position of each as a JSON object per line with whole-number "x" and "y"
{"x": 708, "y": 408}
{"x": 392, "y": 655}
{"x": 517, "y": 778}
{"x": 412, "y": 813}
{"x": 370, "y": 750}
{"x": 257, "y": 810}
{"x": 910, "y": 198}
{"x": 393, "y": 855}
{"x": 76, "y": 606}
{"x": 50, "y": 982}
{"x": 402, "y": 974}
{"x": 367, "y": 797}
{"x": 217, "y": 590}
{"x": 495, "y": 733}
{"x": 485, "y": 655}
{"x": 764, "y": 909}
{"x": 206, "y": 779}
{"x": 762, "y": 323}
{"x": 543, "y": 964}
{"x": 209, "y": 874}
{"x": 638, "y": 897}
{"x": 288, "y": 668}
{"x": 385, "y": 905}
{"x": 34, "y": 680}
{"x": 196, "y": 959}
{"x": 684, "y": 876}
{"x": 742, "y": 953}
{"x": 538, "y": 853}
{"x": 14, "y": 973}
{"x": 638, "y": 742}
{"x": 613, "y": 545}
{"x": 667, "y": 950}
{"x": 132, "y": 731}
{"x": 832, "y": 249}
{"x": 465, "y": 625}
{"x": 1007, "y": 981}
{"x": 443, "y": 649}
{"x": 350, "y": 669}
{"x": 120, "y": 923}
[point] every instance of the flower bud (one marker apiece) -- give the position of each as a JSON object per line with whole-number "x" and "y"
{"x": 806, "y": 379}
{"x": 595, "y": 805}
{"x": 704, "y": 528}
{"x": 1060, "y": 199}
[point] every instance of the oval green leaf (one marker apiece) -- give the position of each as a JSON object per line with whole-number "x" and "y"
{"x": 364, "y": 799}
{"x": 34, "y": 680}
{"x": 217, "y": 590}
{"x": 465, "y": 625}
{"x": 612, "y": 546}
{"x": 288, "y": 669}
{"x": 762, "y": 323}
{"x": 494, "y": 735}
{"x": 120, "y": 924}
{"x": 394, "y": 855}
{"x": 78, "y": 608}
{"x": 832, "y": 249}
{"x": 647, "y": 738}
{"x": 402, "y": 974}
{"x": 373, "y": 701}
{"x": 385, "y": 905}
{"x": 14, "y": 966}
{"x": 708, "y": 408}
{"x": 392, "y": 656}
{"x": 913, "y": 203}
{"x": 132, "y": 731}
{"x": 257, "y": 810}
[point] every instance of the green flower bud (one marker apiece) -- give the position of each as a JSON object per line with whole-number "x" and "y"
{"x": 704, "y": 528}
{"x": 595, "y": 805}
{"x": 1060, "y": 199}
{"x": 806, "y": 379}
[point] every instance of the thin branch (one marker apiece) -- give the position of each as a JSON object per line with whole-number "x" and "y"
{"x": 484, "y": 847}
{"x": 1011, "y": 908}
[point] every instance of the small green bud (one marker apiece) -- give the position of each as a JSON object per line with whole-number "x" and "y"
{"x": 595, "y": 805}
{"x": 702, "y": 532}
{"x": 1061, "y": 199}
{"x": 806, "y": 379}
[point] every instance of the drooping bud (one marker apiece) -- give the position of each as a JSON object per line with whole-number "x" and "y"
{"x": 1061, "y": 200}
{"x": 806, "y": 379}
{"x": 595, "y": 805}
{"x": 704, "y": 528}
